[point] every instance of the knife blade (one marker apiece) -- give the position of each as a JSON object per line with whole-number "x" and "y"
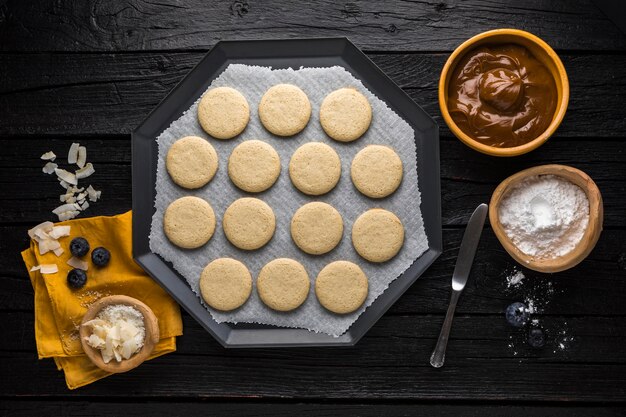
{"x": 464, "y": 261}
{"x": 471, "y": 237}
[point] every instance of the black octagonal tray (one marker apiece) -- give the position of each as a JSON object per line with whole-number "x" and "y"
{"x": 281, "y": 54}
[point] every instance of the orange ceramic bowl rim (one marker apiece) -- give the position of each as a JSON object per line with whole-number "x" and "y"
{"x": 561, "y": 104}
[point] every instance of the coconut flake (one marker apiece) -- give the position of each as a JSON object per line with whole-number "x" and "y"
{"x": 49, "y": 168}
{"x": 46, "y": 268}
{"x": 63, "y": 208}
{"x": 46, "y": 226}
{"x": 85, "y": 172}
{"x": 48, "y": 156}
{"x": 58, "y": 251}
{"x": 77, "y": 263}
{"x": 59, "y": 232}
{"x": 66, "y": 176}
{"x": 84, "y": 206}
{"x": 41, "y": 235}
{"x": 72, "y": 155}
{"x": 68, "y": 215}
{"x": 93, "y": 194}
{"x": 63, "y": 183}
{"x": 49, "y": 268}
{"x": 48, "y": 245}
{"x": 82, "y": 156}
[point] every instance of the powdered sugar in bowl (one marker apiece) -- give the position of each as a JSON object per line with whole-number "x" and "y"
{"x": 548, "y": 218}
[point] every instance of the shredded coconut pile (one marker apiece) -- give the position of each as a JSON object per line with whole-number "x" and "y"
{"x": 545, "y": 216}
{"x": 74, "y": 198}
{"x": 118, "y": 331}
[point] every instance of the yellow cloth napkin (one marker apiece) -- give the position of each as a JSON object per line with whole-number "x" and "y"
{"x": 59, "y": 309}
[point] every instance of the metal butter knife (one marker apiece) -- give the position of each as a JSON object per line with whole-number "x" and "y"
{"x": 464, "y": 261}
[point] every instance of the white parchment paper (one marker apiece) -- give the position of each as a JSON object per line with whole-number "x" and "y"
{"x": 387, "y": 128}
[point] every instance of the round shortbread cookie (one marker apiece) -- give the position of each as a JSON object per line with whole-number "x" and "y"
{"x": 283, "y": 284}
{"x": 376, "y": 171}
{"x": 189, "y": 222}
{"x": 225, "y": 284}
{"x": 315, "y": 168}
{"x": 254, "y": 166}
{"x": 284, "y": 110}
{"x": 341, "y": 287}
{"x": 191, "y": 162}
{"x": 223, "y": 112}
{"x": 249, "y": 223}
{"x": 377, "y": 235}
{"x": 345, "y": 114}
{"x": 316, "y": 228}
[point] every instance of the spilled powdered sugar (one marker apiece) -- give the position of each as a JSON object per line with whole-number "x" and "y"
{"x": 536, "y": 293}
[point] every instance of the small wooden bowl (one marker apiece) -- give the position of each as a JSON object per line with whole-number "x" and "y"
{"x": 542, "y": 51}
{"x": 152, "y": 334}
{"x": 589, "y": 239}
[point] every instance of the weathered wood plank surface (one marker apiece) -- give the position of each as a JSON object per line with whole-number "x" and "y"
{"x": 401, "y": 372}
{"x": 90, "y": 71}
{"x": 252, "y": 408}
{"x": 89, "y": 94}
{"x": 80, "y": 25}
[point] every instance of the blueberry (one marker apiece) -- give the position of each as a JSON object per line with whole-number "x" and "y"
{"x": 100, "y": 256}
{"x": 536, "y": 338}
{"x": 79, "y": 246}
{"x": 76, "y": 278}
{"x": 517, "y": 314}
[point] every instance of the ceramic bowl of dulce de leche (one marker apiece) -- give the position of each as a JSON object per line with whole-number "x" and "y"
{"x": 548, "y": 218}
{"x": 503, "y": 92}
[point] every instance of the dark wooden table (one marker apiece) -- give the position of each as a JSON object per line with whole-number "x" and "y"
{"x": 90, "y": 71}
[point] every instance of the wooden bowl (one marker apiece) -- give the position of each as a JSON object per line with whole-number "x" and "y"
{"x": 151, "y": 339}
{"x": 590, "y": 237}
{"x": 541, "y": 51}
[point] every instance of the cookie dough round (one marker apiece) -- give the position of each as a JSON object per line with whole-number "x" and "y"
{"x": 249, "y": 223}
{"x": 377, "y": 235}
{"x": 284, "y": 110}
{"x": 283, "y": 284}
{"x": 341, "y": 287}
{"x": 345, "y": 114}
{"x": 316, "y": 228}
{"x": 225, "y": 284}
{"x": 191, "y": 162}
{"x": 223, "y": 112}
{"x": 315, "y": 168}
{"x": 189, "y": 222}
{"x": 376, "y": 171}
{"x": 254, "y": 166}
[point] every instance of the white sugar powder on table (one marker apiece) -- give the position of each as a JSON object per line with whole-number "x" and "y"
{"x": 545, "y": 216}
{"x": 515, "y": 278}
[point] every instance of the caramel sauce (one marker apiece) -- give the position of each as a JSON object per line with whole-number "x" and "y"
{"x": 501, "y": 95}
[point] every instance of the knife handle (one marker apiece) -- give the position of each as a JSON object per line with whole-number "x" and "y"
{"x": 439, "y": 354}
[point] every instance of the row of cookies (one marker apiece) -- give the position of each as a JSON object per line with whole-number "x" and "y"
{"x": 316, "y": 227}
{"x": 314, "y": 168}
{"x": 285, "y": 110}
{"x": 283, "y": 285}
